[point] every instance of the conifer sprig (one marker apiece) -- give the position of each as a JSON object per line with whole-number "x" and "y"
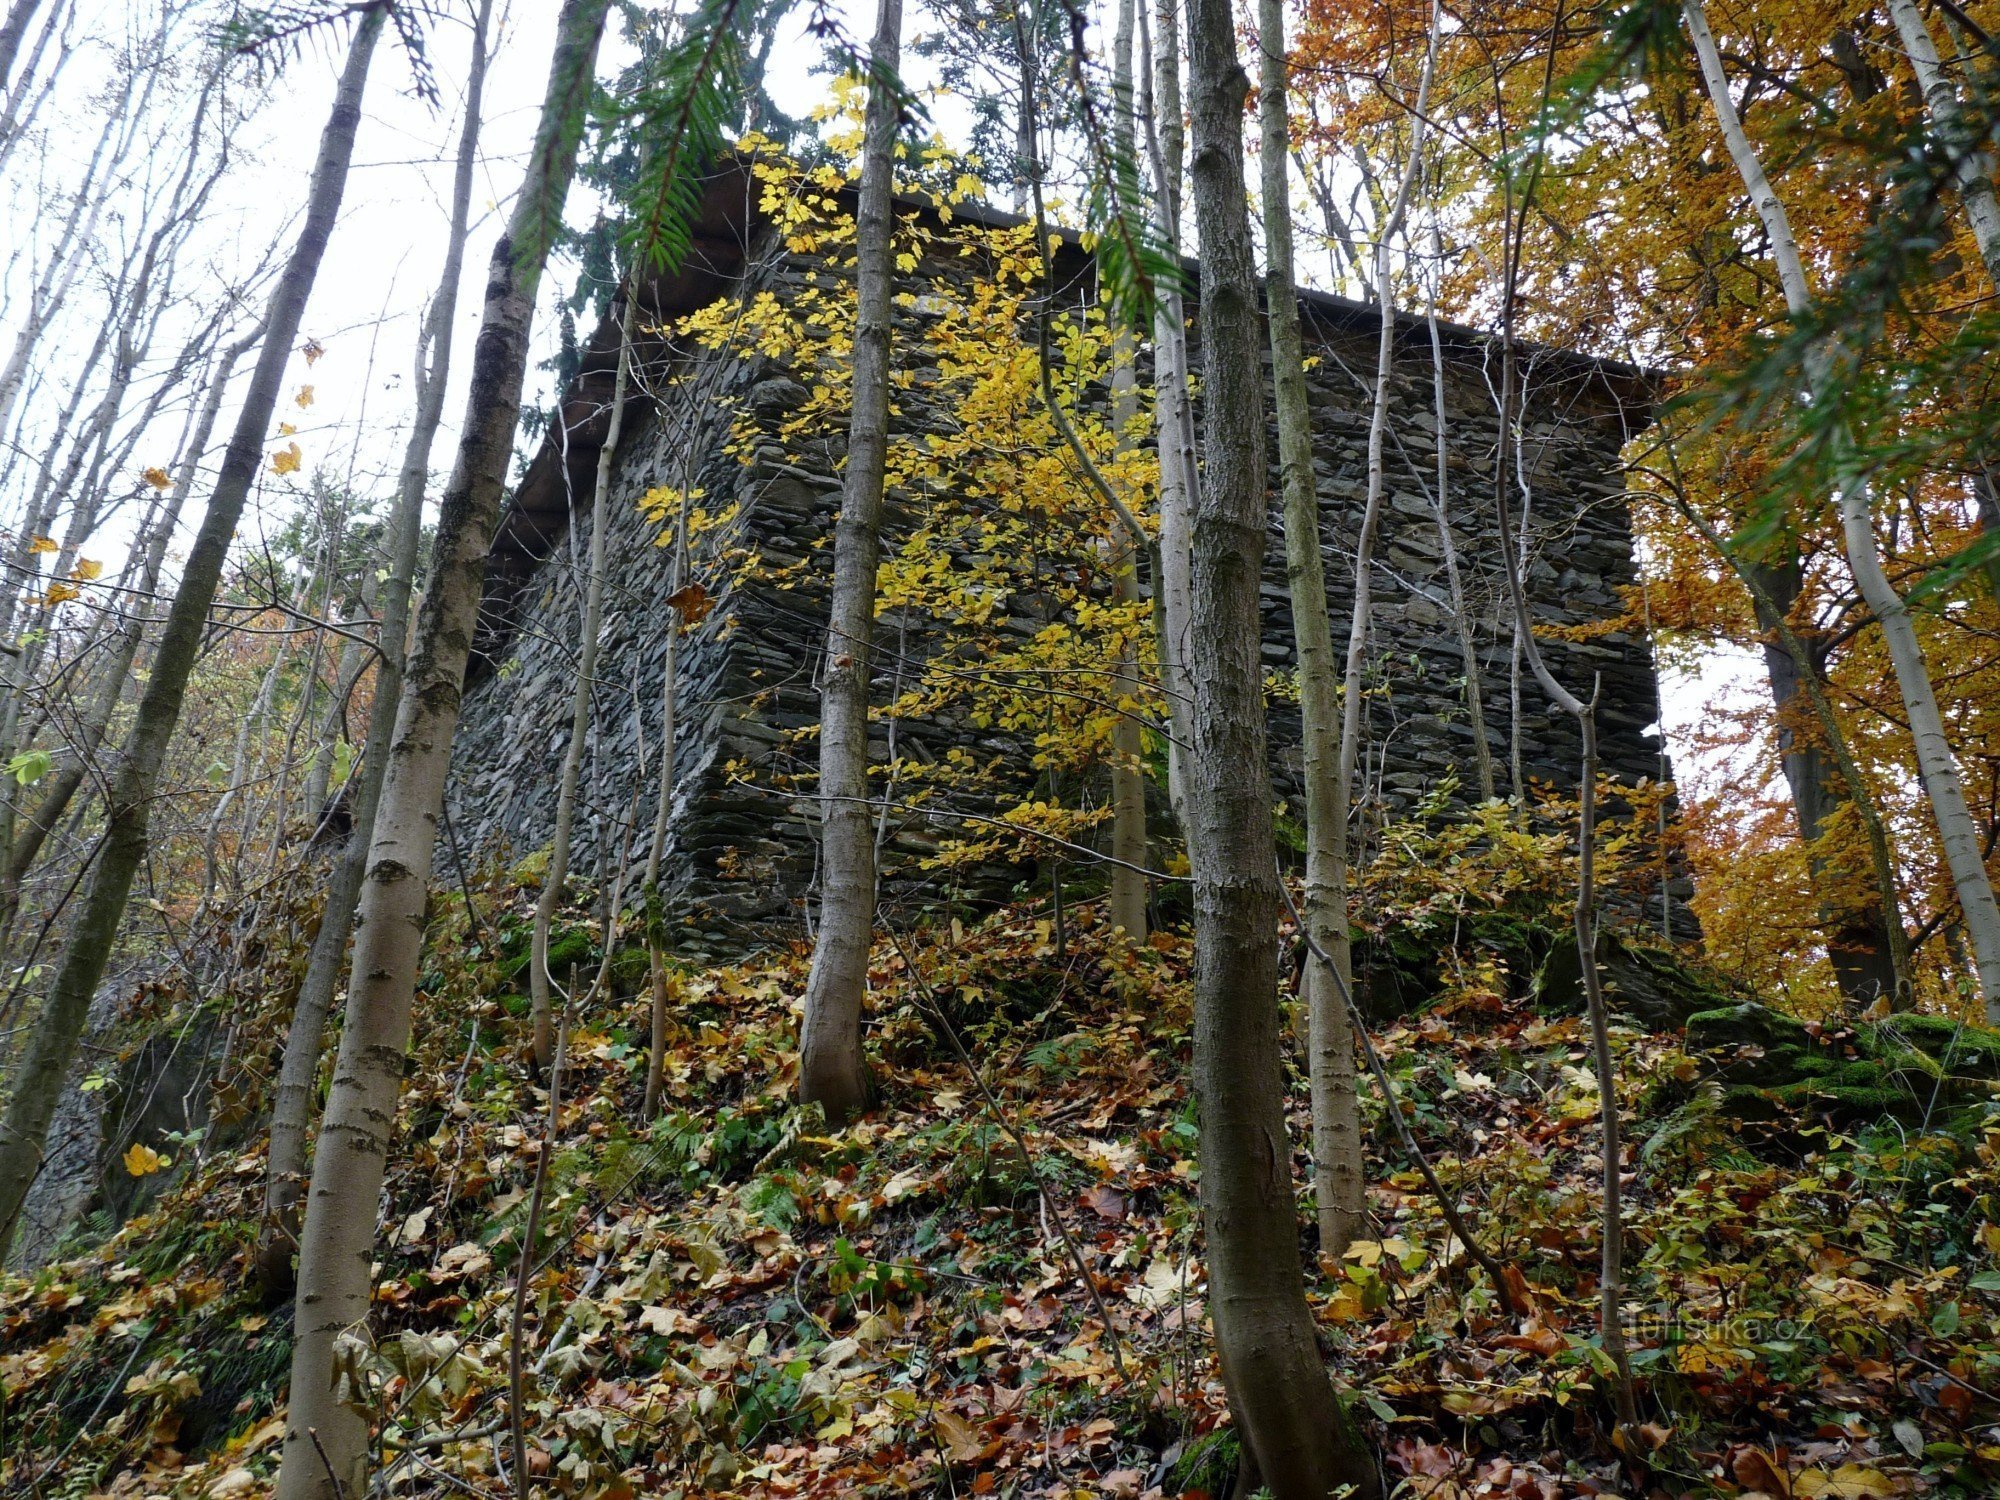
{"x": 1134, "y": 265}
{"x": 273, "y": 35}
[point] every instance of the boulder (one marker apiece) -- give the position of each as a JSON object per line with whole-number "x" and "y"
{"x": 1923, "y": 1071}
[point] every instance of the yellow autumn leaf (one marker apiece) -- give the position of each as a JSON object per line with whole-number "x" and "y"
{"x": 87, "y": 570}
{"x": 312, "y": 351}
{"x": 305, "y": 396}
{"x": 1848, "y": 1482}
{"x": 157, "y": 477}
{"x": 43, "y": 544}
{"x": 143, "y": 1161}
{"x": 287, "y": 459}
{"x": 60, "y": 593}
{"x": 286, "y": 429}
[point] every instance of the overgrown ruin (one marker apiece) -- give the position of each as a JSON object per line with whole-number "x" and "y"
{"x": 741, "y": 855}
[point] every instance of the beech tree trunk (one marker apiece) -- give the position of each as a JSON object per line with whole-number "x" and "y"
{"x": 1936, "y": 765}
{"x": 1127, "y": 908}
{"x": 540, "y": 981}
{"x": 1339, "y": 1182}
{"x": 336, "y": 1247}
{"x": 1301, "y": 1440}
{"x": 1860, "y": 947}
{"x": 833, "y": 1072}
{"x": 52, "y": 1048}
{"x": 291, "y": 1108}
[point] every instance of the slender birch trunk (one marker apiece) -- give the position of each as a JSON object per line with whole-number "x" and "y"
{"x": 1975, "y": 171}
{"x": 123, "y": 847}
{"x": 1461, "y": 617}
{"x": 12, "y": 32}
{"x": 336, "y": 1246}
{"x": 656, "y": 916}
{"x": 1302, "y": 1442}
{"x": 1339, "y": 1180}
{"x": 1127, "y": 908}
{"x": 1611, "y": 1225}
{"x": 1173, "y": 411}
{"x": 540, "y": 982}
{"x": 293, "y": 1099}
{"x": 1936, "y": 764}
{"x": 833, "y": 1072}
{"x": 1611, "y": 1263}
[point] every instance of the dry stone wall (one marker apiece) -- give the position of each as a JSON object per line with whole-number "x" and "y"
{"x": 742, "y": 851}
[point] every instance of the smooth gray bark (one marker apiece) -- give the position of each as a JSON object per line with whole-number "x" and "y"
{"x": 294, "y": 1097}
{"x": 337, "y": 1245}
{"x": 833, "y": 1072}
{"x": 1127, "y": 905}
{"x": 1339, "y": 1180}
{"x": 1173, "y": 411}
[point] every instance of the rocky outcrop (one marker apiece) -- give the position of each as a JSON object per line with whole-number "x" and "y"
{"x": 1923, "y": 1071}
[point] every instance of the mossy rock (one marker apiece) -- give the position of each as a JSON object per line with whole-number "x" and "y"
{"x": 1925, "y": 1071}
{"x": 631, "y": 969}
{"x": 1398, "y": 972}
{"x": 570, "y": 947}
{"x": 1654, "y": 987}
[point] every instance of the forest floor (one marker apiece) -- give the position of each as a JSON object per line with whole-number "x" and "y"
{"x": 736, "y": 1302}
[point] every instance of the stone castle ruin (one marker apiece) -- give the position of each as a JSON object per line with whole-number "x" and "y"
{"x": 742, "y": 844}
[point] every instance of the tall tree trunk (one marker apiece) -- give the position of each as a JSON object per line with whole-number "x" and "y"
{"x": 1302, "y": 1441}
{"x": 335, "y": 1249}
{"x": 1173, "y": 411}
{"x": 12, "y": 32}
{"x": 833, "y": 1072}
{"x": 123, "y": 847}
{"x": 1461, "y": 617}
{"x": 291, "y": 1106}
{"x": 1509, "y": 468}
{"x": 1870, "y": 956}
{"x": 1860, "y": 948}
{"x": 1936, "y": 764}
{"x": 1975, "y": 171}
{"x": 655, "y": 906}
{"x": 1128, "y": 778}
{"x": 1339, "y": 1181}
{"x": 540, "y": 982}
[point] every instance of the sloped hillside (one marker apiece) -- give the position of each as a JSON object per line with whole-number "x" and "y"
{"x": 731, "y": 1301}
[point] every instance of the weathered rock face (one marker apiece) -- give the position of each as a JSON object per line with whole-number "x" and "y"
{"x": 742, "y": 849}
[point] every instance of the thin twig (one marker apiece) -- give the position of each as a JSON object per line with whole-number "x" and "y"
{"x": 1453, "y": 1218}
{"x": 516, "y": 1416}
{"x": 339, "y": 1489}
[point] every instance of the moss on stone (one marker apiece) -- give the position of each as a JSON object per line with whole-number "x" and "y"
{"x": 1921, "y": 1070}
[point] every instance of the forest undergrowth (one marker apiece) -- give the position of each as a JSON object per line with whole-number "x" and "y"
{"x": 734, "y": 1301}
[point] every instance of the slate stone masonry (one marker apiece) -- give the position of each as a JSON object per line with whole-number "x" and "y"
{"x": 741, "y": 857}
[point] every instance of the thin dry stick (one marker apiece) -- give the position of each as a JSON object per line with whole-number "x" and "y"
{"x": 950, "y": 1032}
{"x": 525, "y": 1271}
{"x": 1453, "y": 1218}
{"x": 339, "y": 1489}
